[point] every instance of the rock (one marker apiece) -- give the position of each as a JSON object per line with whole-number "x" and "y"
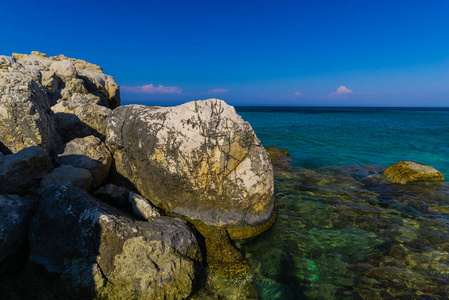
{"x": 15, "y": 217}
{"x": 407, "y": 171}
{"x": 104, "y": 85}
{"x": 20, "y": 173}
{"x": 279, "y": 157}
{"x": 95, "y": 250}
{"x": 25, "y": 115}
{"x": 81, "y": 116}
{"x": 114, "y": 195}
{"x": 76, "y": 85}
{"x": 199, "y": 160}
{"x": 143, "y": 208}
{"x": 50, "y": 81}
{"x": 68, "y": 175}
{"x": 89, "y": 153}
{"x": 64, "y": 69}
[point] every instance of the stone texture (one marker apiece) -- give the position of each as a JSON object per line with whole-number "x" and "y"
{"x": 81, "y": 116}
{"x": 89, "y": 153}
{"x": 143, "y": 208}
{"x": 15, "y": 217}
{"x": 114, "y": 195}
{"x": 68, "y": 175}
{"x": 64, "y": 69}
{"x": 407, "y": 171}
{"x": 94, "y": 249}
{"x": 199, "y": 160}
{"x": 20, "y": 173}
{"x": 25, "y": 115}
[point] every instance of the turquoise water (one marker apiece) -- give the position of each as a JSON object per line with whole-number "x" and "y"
{"x": 343, "y": 136}
{"x": 341, "y": 231}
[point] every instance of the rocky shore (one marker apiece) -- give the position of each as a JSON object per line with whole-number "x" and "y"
{"x": 99, "y": 200}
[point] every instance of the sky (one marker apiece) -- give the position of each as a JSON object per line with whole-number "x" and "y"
{"x": 293, "y": 53}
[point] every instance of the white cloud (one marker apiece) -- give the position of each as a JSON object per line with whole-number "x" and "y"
{"x": 343, "y": 90}
{"x": 152, "y": 89}
{"x": 298, "y": 94}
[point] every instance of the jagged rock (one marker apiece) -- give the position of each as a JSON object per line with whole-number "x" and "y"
{"x": 68, "y": 175}
{"x": 25, "y": 115}
{"x": 408, "y": 171}
{"x": 15, "y": 217}
{"x": 199, "y": 160}
{"x": 114, "y": 195}
{"x": 20, "y": 173}
{"x": 76, "y": 85}
{"x": 95, "y": 250}
{"x": 81, "y": 116}
{"x": 143, "y": 208}
{"x": 50, "y": 81}
{"x": 64, "y": 69}
{"x": 104, "y": 84}
{"x": 89, "y": 153}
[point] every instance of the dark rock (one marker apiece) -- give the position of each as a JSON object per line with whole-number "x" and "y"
{"x": 114, "y": 195}
{"x": 15, "y": 217}
{"x": 92, "y": 249}
{"x": 20, "y": 173}
{"x": 68, "y": 175}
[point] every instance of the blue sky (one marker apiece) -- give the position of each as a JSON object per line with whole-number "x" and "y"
{"x": 304, "y": 52}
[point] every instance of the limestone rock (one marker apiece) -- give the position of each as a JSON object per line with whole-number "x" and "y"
{"x": 20, "y": 173}
{"x": 15, "y": 217}
{"x": 68, "y": 175}
{"x": 64, "y": 69}
{"x": 25, "y": 115}
{"x": 199, "y": 160}
{"x": 50, "y": 81}
{"x": 89, "y": 153}
{"x": 94, "y": 249}
{"x": 81, "y": 116}
{"x": 408, "y": 171}
{"x": 104, "y": 84}
{"x": 143, "y": 208}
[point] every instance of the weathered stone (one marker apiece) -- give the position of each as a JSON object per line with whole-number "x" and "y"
{"x": 50, "y": 81}
{"x": 76, "y": 85}
{"x": 20, "y": 173}
{"x": 15, "y": 217}
{"x": 89, "y": 153}
{"x": 68, "y": 175}
{"x": 64, "y": 69}
{"x": 199, "y": 160}
{"x": 94, "y": 249}
{"x": 103, "y": 84}
{"x": 25, "y": 116}
{"x": 407, "y": 171}
{"x": 143, "y": 208}
{"x": 81, "y": 116}
{"x": 114, "y": 195}
{"x": 279, "y": 157}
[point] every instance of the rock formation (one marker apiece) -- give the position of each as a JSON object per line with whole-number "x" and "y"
{"x": 169, "y": 186}
{"x": 408, "y": 171}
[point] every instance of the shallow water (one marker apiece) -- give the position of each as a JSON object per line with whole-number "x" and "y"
{"x": 342, "y": 232}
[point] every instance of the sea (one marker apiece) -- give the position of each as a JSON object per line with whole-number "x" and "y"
{"x": 342, "y": 231}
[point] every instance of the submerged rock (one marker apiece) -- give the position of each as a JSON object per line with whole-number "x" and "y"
{"x": 199, "y": 160}
{"x": 407, "y": 171}
{"x": 15, "y": 217}
{"x": 89, "y": 153}
{"x": 90, "y": 248}
{"x": 20, "y": 173}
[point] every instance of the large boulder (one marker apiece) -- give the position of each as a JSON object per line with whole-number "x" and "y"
{"x": 20, "y": 173}
{"x": 15, "y": 217}
{"x": 408, "y": 171}
{"x": 92, "y": 249}
{"x": 89, "y": 153}
{"x": 25, "y": 115}
{"x": 199, "y": 160}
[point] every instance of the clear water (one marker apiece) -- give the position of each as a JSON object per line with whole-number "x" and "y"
{"x": 341, "y": 231}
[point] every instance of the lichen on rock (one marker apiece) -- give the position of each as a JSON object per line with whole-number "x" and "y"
{"x": 408, "y": 171}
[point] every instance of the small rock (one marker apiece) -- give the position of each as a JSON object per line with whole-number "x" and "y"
{"x": 68, "y": 175}
{"x": 89, "y": 153}
{"x": 408, "y": 171}
{"x": 114, "y": 195}
{"x": 143, "y": 208}
{"x": 20, "y": 173}
{"x": 64, "y": 69}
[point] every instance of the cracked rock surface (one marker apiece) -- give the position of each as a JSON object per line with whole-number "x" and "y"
{"x": 199, "y": 160}
{"x": 97, "y": 250}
